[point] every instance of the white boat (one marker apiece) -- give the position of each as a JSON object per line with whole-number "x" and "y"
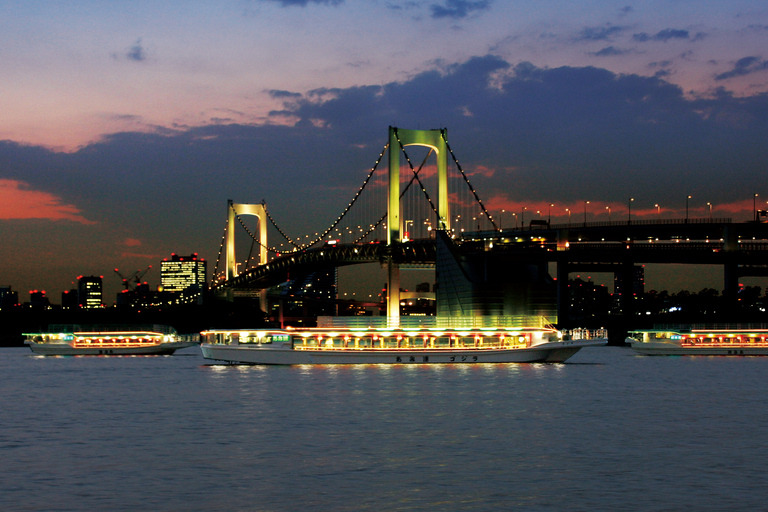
{"x": 103, "y": 340}
{"x": 700, "y": 341}
{"x": 393, "y": 346}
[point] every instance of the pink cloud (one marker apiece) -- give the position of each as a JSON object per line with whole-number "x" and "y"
{"x": 17, "y": 201}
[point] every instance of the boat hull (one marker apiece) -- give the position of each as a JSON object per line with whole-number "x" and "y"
{"x": 64, "y": 349}
{"x": 555, "y": 352}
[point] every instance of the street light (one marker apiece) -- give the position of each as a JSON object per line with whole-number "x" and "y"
{"x": 585, "y": 212}
{"x": 609, "y": 213}
{"x": 629, "y": 210}
{"x": 569, "y": 214}
{"x": 501, "y": 220}
{"x": 686, "y": 208}
{"x": 549, "y": 214}
{"x": 522, "y": 218}
{"x": 710, "y": 210}
{"x": 658, "y": 210}
{"x": 754, "y": 208}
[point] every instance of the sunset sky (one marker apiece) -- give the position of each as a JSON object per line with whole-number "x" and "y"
{"x": 126, "y": 126}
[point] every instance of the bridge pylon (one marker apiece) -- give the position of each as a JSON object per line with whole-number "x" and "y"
{"x": 436, "y": 140}
{"x": 260, "y": 212}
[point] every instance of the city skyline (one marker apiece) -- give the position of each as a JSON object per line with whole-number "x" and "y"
{"x": 127, "y": 126}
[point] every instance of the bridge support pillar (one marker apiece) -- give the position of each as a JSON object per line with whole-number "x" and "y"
{"x": 627, "y": 273}
{"x": 563, "y": 293}
{"x": 436, "y": 140}
{"x": 393, "y": 294}
{"x": 260, "y": 212}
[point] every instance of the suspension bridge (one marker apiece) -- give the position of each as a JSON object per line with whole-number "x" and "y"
{"x": 428, "y": 214}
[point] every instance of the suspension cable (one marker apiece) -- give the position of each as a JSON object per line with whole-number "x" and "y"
{"x": 300, "y": 247}
{"x": 218, "y": 257}
{"x": 415, "y": 177}
{"x": 466, "y": 179}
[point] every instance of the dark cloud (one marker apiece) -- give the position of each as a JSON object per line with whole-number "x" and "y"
{"x": 458, "y": 8}
{"x": 610, "y": 51}
{"x": 663, "y": 35}
{"x": 283, "y": 94}
{"x": 304, "y": 3}
{"x": 603, "y": 33}
{"x": 745, "y": 66}
{"x": 137, "y": 52}
{"x": 626, "y": 10}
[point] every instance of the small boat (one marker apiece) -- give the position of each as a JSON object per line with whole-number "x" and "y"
{"x": 700, "y": 340}
{"x": 71, "y": 340}
{"x": 394, "y": 346}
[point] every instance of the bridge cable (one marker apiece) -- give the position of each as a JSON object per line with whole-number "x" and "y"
{"x": 218, "y": 258}
{"x": 301, "y": 247}
{"x": 405, "y": 189}
{"x": 466, "y": 179}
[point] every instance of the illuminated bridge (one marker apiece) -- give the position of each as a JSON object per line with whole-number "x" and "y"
{"x": 405, "y": 219}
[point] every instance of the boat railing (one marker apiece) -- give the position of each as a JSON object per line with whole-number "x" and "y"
{"x": 431, "y": 322}
{"x": 72, "y": 328}
{"x": 712, "y": 327}
{"x": 367, "y": 343}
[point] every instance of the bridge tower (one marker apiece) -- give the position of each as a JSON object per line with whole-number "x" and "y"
{"x": 436, "y": 140}
{"x": 259, "y": 212}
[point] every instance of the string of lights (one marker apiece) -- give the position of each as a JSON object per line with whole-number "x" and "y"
{"x": 471, "y": 188}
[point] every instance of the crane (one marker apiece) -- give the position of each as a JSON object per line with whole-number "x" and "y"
{"x": 133, "y": 279}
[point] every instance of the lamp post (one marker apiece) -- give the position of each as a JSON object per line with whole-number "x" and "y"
{"x": 710, "y": 211}
{"x": 585, "y": 212}
{"x": 501, "y": 220}
{"x": 754, "y": 208}
{"x": 629, "y": 210}
{"x": 522, "y": 218}
{"x": 658, "y": 210}
{"x": 407, "y": 233}
{"x": 609, "y": 213}
{"x": 686, "y": 208}
{"x": 549, "y": 214}
{"x": 569, "y": 214}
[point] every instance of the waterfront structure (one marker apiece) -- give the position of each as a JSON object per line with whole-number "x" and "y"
{"x": 493, "y": 271}
{"x": 8, "y": 297}
{"x": 184, "y": 276}
{"x": 89, "y": 292}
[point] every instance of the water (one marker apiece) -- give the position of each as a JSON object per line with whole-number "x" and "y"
{"x": 608, "y": 430}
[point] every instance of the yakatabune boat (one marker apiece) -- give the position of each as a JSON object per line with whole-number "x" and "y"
{"x": 700, "y": 341}
{"x": 394, "y": 346}
{"x": 70, "y": 340}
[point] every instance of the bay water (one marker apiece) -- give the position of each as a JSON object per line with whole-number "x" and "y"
{"x": 607, "y": 430}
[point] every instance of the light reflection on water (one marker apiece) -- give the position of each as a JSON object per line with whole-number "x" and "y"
{"x": 606, "y": 431}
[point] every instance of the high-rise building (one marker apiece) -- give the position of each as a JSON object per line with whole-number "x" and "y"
{"x": 8, "y": 297}
{"x": 37, "y": 299}
{"x": 89, "y": 291}
{"x": 69, "y": 299}
{"x": 183, "y": 273}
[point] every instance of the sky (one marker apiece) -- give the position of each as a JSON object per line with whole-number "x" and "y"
{"x": 126, "y": 126}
